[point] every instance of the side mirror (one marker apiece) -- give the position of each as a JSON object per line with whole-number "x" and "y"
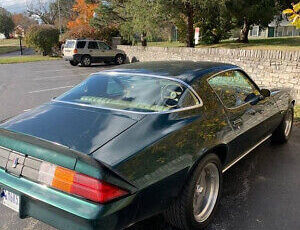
{"x": 265, "y": 92}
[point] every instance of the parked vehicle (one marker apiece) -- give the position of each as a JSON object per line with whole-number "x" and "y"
{"x": 87, "y": 52}
{"x": 131, "y": 142}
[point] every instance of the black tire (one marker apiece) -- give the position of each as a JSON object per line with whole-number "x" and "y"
{"x": 283, "y": 132}
{"x": 74, "y": 63}
{"x": 86, "y": 61}
{"x": 181, "y": 213}
{"x": 119, "y": 59}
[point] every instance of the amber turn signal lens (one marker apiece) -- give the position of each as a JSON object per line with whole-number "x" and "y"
{"x": 79, "y": 184}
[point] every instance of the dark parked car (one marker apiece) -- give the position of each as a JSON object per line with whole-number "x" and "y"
{"x": 131, "y": 142}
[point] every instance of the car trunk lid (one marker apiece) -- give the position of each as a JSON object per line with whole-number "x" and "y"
{"x": 80, "y": 129}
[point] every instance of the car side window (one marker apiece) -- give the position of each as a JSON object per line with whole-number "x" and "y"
{"x": 103, "y": 46}
{"x": 81, "y": 44}
{"x": 93, "y": 45}
{"x": 234, "y": 88}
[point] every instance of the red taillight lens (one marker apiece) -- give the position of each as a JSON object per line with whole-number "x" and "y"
{"x": 92, "y": 189}
{"x": 79, "y": 184}
{"x": 75, "y": 51}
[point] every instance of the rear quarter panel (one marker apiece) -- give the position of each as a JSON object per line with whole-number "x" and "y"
{"x": 159, "y": 152}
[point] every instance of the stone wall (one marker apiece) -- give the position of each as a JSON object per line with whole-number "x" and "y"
{"x": 269, "y": 68}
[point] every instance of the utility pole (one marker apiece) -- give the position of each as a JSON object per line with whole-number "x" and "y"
{"x": 59, "y": 16}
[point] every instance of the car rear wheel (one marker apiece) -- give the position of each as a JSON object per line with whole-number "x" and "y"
{"x": 74, "y": 63}
{"x": 283, "y": 132}
{"x": 197, "y": 204}
{"x": 86, "y": 61}
{"x": 119, "y": 59}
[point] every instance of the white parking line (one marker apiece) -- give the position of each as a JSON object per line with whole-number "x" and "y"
{"x": 52, "y": 89}
{"x": 51, "y": 70}
{"x": 65, "y": 76}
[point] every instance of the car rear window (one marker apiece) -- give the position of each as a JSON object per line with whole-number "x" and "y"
{"x": 131, "y": 93}
{"x": 70, "y": 44}
{"x": 103, "y": 46}
{"x": 81, "y": 44}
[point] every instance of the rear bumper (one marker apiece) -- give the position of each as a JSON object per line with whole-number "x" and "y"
{"x": 76, "y": 57}
{"x": 61, "y": 210}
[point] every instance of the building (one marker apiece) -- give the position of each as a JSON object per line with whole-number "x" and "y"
{"x": 275, "y": 29}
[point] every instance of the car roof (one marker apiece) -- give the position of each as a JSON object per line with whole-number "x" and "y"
{"x": 85, "y": 40}
{"x": 185, "y": 71}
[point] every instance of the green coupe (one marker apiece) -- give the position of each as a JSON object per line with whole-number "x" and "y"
{"x": 138, "y": 140}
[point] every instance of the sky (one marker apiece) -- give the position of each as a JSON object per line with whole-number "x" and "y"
{"x": 17, "y": 6}
{"x": 14, "y": 6}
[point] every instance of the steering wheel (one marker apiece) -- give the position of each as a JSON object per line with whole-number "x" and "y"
{"x": 171, "y": 94}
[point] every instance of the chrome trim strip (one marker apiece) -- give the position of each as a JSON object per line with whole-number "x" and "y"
{"x": 245, "y": 154}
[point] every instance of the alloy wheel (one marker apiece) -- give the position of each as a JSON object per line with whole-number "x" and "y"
{"x": 288, "y": 123}
{"x": 206, "y": 192}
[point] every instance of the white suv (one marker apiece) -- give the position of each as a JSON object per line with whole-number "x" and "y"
{"x": 87, "y": 52}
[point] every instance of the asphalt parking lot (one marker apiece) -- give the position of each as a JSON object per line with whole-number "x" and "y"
{"x": 261, "y": 192}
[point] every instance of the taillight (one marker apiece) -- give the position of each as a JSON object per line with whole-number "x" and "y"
{"x": 75, "y": 51}
{"x": 78, "y": 184}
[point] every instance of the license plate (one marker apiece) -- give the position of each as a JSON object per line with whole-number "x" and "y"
{"x": 11, "y": 200}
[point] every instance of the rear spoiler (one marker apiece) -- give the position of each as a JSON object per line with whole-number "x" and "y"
{"x": 62, "y": 156}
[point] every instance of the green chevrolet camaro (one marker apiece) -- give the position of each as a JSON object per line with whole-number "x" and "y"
{"x": 138, "y": 140}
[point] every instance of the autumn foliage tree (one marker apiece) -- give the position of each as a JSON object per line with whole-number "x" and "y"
{"x": 83, "y": 12}
{"x": 79, "y": 27}
{"x": 23, "y": 20}
{"x": 294, "y": 15}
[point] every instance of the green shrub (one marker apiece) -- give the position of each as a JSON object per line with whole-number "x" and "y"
{"x": 42, "y": 38}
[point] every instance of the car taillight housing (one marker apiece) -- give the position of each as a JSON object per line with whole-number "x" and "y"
{"x": 78, "y": 184}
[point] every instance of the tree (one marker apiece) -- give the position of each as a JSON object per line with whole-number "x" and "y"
{"x": 84, "y": 13}
{"x": 47, "y": 12}
{"x": 84, "y": 31}
{"x": 185, "y": 10}
{"x": 294, "y": 15}
{"x": 250, "y": 12}
{"x": 133, "y": 18}
{"x": 214, "y": 21}
{"x": 43, "y": 38}
{"x": 6, "y": 22}
{"x": 23, "y": 20}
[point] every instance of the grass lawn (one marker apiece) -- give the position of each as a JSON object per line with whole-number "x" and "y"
{"x": 297, "y": 113}
{"x": 8, "y": 49}
{"x": 284, "y": 43}
{"x": 9, "y": 45}
{"x": 10, "y": 42}
{"x": 23, "y": 59}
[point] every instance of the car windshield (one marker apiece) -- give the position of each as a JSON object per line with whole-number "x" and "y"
{"x": 131, "y": 93}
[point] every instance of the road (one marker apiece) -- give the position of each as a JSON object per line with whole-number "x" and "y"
{"x": 261, "y": 192}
